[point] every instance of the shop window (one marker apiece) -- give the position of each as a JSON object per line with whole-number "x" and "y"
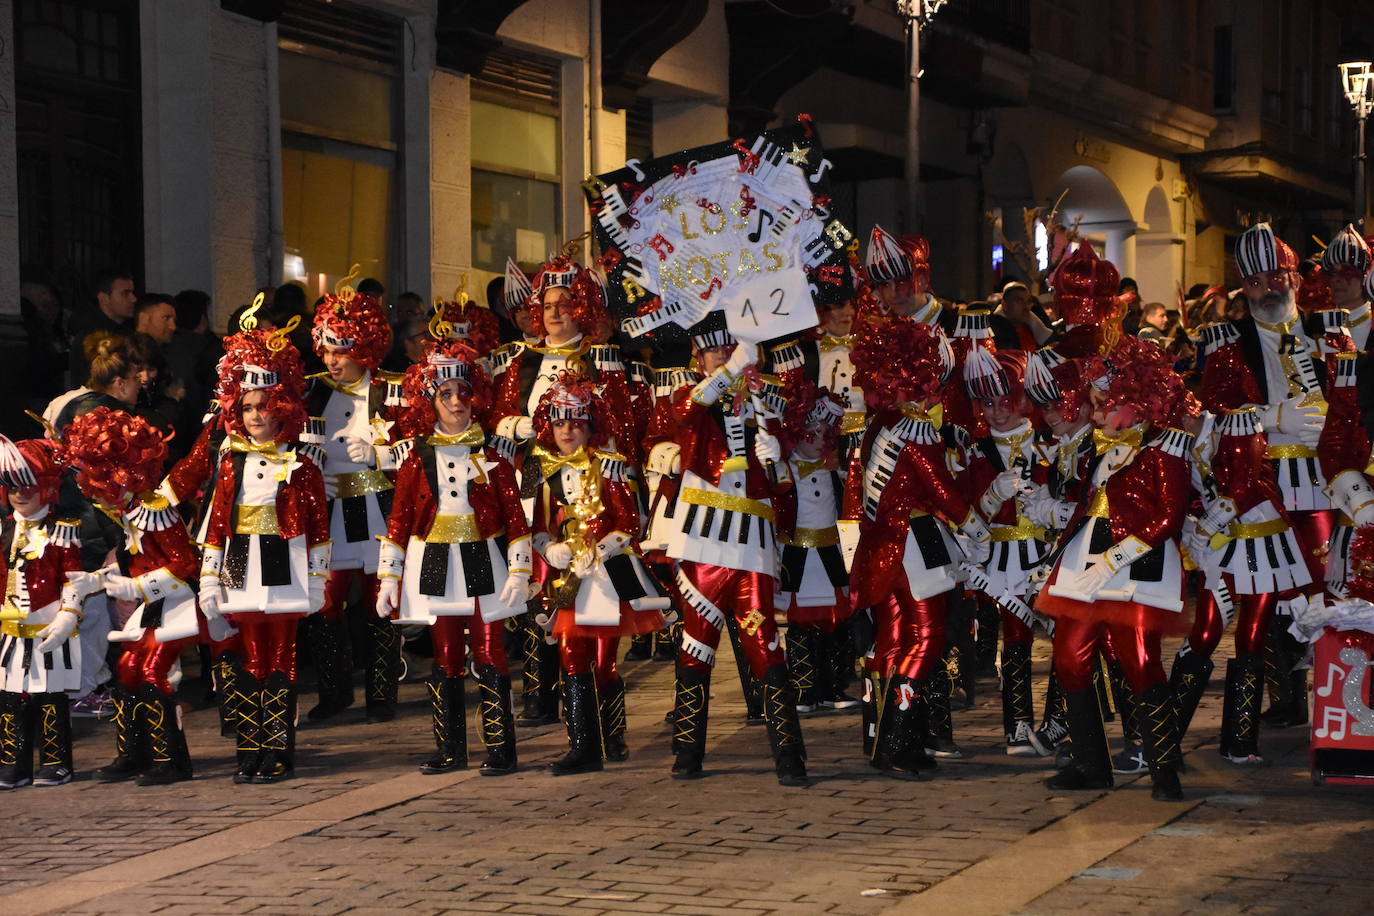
{"x": 339, "y": 96}
{"x": 516, "y": 140}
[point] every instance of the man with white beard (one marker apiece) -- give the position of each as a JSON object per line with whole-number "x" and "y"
{"x": 1273, "y": 364}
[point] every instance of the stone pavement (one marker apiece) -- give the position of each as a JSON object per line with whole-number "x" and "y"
{"x": 360, "y": 831}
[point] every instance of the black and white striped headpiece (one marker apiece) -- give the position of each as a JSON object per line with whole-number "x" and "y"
{"x": 327, "y": 338}
{"x": 1041, "y": 386}
{"x": 517, "y": 291}
{"x": 15, "y": 473}
{"x": 1347, "y": 249}
{"x": 1259, "y": 251}
{"x": 443, "y": 368}
{"x": 886, "y": 261}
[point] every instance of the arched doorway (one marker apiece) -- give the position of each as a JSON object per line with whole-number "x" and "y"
{"x": 1105, "y": 219}
{"x": 1158, "y": 251}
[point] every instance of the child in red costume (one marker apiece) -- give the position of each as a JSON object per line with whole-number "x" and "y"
{"x": 587, "y": 525}
{"x": 40, "y": 662}
{"x": 456, "y": 556}
{"x": 267, "y": 549}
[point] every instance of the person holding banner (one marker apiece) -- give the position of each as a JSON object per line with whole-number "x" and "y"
{"x": 456, "y": 556}
{"x": 732, "y": 466}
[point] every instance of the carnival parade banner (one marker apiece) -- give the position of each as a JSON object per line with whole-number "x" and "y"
{"x": 742, "y": 226}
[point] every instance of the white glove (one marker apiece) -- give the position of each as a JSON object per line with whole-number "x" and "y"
{"x": 56, "y": 633}
{"x": 209, "y": 597}
{"x": 558, "y": 555}
{"x": 331, "y": 487}
{"x": 122, "y": 587}
{"x": 1197, "y": 542}
{"x": 85, "y": 583}
{"x": 219, "y": 628}
{"x": 976, "y": 539}
{"x": 745, "y": 355}
{"x": 583, "y": 563}
{"x": 665, "y": 458}
{"x": 1291, "y": 418}
{"x": 388, "y": 596}
{"x": 1217, "y": 516}
{"x": 767, "y": 447}
{"x": 1044, "y": 510}
{"x": 1003, "y": 487}
{"x": 1092, "y": 580}
{"x": 360, "y": 451}
{"x": 315, "y": 592}
{"x": 1008, "y": 483}
{"x": 515, "y": 590}
{"x": 524, "y": 429}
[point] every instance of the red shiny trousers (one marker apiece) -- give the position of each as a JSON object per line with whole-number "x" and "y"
{"x": 748, "y": 596}
{"x": 451, "y": 635}
{"x": 269, "y": 643}
{"x": 148, "y": 661}
{"x": 909, "y": 634}
{"x": 1313, "y": 531}
{"x": 1077, "y": 643}
{"x": 1253, "y": 613}
{"x": 338, "y": 586}
{"x": 580, "y": 654}
{"x": 1014, "y": 630}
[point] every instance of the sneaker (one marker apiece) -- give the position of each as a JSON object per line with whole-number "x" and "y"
{"x": 804, "y": 708}
{"x": 944, "y": 749}
{"x": 56, "y": 776}
{"x": 1048, "y": 737}
{"x": 94, "y": 705}
{"x": 1130, "y": 760}
{"x": 1248, "y": 760}
{"x": 840, "y": 701}
{"x": 1019, "y": 741}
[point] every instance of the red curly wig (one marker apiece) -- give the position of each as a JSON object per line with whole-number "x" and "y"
{"x": 898, "y": 360}
{"x": 473, "y": 324}
{"x": 588, "y": 305}
{"x": 572, "y": 397}
{"x": 1140, "y": 377}
{"x": 423, "y": 378}
{"x": 251, "y": 355}
{"x": 116, "y": 455}
{"x": 356, "y": 325}
{"x": 1315, "y": 293}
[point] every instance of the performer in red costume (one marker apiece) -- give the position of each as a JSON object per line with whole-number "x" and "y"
{"x": 118, "y": 459}
{"x": 1250, "y": 559}
{"x": 732, "y": 466}
{"x": 357, "y": 402}
{"x": 1085, "y": 298}
{"x": 568, "y": 314}
{"x": 597, "y": 588}
{"x": 906, "y": 529}
{"x": 814, "y": 589}
{"x": 456, "y": 556}
{"x": 1346, "y": 263}
{"x": 267, "y": 548}
{"x": 1274, "y": 363}
{"x": 40, "y": 662}
{"x": 1001, "y": 467}
{"x": 1117, "y": 568}
{"x": 1345, "y": 454}
{"x": 899, "y": 269}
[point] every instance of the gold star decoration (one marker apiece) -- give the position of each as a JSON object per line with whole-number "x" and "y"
{"x": 798, "y": 156}
{"x": 669, "y": 204}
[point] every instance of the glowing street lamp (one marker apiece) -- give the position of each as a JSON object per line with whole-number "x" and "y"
{"x": 1357, "y": 82}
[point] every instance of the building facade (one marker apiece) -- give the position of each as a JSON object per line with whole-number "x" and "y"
{"x": 228, "y": 145}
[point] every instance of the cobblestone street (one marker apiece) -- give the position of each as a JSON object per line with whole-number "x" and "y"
{"x": 360, "y": 831}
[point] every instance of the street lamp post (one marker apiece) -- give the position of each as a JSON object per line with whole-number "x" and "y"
{"x": 1357, "y": 81}
{"x": 916, "y": 13}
